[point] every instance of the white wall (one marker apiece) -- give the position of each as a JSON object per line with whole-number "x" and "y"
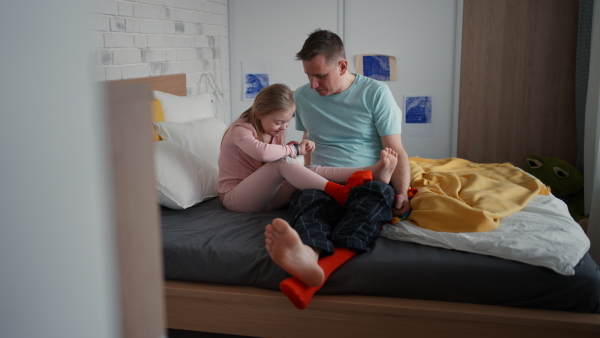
{"x": 141, "y": 38}
{"x": 274, "y": 31}
{"x": 421, "y": 34}
{"x": 58, "y": 272}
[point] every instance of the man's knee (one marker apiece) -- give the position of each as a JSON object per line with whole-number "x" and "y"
{"x": 374, "y": 190}
{"x": 314, "y": 204}
{"x": 385, "y": 188}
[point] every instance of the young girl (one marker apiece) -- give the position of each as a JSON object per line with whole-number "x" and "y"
{"x": 254, "y": 173}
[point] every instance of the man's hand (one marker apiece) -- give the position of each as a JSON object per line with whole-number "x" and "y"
{"x": 401, "y": 204}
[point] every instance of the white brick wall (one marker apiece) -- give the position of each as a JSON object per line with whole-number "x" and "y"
{"x": 140, "y": 38}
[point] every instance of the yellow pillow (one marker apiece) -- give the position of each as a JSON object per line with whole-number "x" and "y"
{"x": 157, "y": 116}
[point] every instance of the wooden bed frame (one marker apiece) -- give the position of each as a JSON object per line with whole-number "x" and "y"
{"x": 251, "y": 311}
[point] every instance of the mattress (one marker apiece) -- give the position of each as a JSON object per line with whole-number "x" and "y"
{"x": 207, "y": 243}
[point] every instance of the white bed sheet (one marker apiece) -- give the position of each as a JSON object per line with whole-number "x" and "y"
{"x": 543, "y": 234}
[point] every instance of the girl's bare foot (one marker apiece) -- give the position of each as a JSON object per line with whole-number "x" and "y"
{"x": 383, "y": 170}
{"x": 287, "y": 250}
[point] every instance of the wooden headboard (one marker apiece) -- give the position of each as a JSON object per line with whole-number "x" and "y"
{"x": 172, "y": 84}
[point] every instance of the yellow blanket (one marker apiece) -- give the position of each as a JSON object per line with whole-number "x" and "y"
{"x": 456, "y": 195}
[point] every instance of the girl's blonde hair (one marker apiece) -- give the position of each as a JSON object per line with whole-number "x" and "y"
{"x": 273, "y": 98}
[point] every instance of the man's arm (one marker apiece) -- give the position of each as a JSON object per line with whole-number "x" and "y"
{"x": 307, "y": 155}
{"x": 401, "y": 177}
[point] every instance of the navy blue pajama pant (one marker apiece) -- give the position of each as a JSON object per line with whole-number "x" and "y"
{"x": 322, "y": 223}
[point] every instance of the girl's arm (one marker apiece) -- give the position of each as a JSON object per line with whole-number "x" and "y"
{"x": 246, "y": 140}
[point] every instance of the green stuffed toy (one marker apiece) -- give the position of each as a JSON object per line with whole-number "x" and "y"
{"x": 564, "y": 180}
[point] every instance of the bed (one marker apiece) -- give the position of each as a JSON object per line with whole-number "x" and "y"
{"x": 220, "y": 279}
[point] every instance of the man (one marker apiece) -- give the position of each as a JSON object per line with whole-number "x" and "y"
{"x": 351, "y": 119}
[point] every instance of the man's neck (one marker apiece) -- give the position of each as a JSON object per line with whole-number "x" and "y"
{"x": 347, "y": 81}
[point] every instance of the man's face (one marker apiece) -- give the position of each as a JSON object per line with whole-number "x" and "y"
{"x": 325, "y": 78}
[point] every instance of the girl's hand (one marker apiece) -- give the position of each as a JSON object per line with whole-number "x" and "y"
{"x": 306, "y": 146}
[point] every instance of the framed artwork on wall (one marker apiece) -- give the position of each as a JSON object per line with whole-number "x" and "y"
{"x": 418, "y": 115}
{"x": 255, "y": 76}
{"x": 376, "y": 66}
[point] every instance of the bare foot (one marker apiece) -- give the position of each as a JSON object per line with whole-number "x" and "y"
{"x": 288, "y": 251}
{"x": 383, "y": 170}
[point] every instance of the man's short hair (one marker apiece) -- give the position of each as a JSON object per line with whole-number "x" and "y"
{"x": 322, "y": 42}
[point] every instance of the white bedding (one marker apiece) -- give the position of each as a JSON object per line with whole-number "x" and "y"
{"x": 543, "y": 234}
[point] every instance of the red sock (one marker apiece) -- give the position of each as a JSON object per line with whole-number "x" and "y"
{"x": 359, "y": 178}
{"x": 299, "y": 293}
{"x": 340, "y": 192}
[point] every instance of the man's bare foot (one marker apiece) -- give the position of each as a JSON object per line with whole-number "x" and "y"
{"x": 288, "y": 251}
{"x": 383, "y": 170}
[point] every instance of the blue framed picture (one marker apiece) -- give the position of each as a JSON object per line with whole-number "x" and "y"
{"x": 376, "y": 66}
{"x": 418, "y": 109}
{"x": 253, "y": 83}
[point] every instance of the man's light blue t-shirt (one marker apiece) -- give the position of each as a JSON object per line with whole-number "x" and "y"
{"x": 347, "y": 127}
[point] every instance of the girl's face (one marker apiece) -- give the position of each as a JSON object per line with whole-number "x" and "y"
{"x": 277, "y": 122}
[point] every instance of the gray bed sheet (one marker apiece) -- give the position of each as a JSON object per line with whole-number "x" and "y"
{"x": 207, "y": 243}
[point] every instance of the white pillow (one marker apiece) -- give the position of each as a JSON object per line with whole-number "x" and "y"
{"x": 182, "y": 179}
{"x": 185, "y": 108}
{"x": 202, "y": 138}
